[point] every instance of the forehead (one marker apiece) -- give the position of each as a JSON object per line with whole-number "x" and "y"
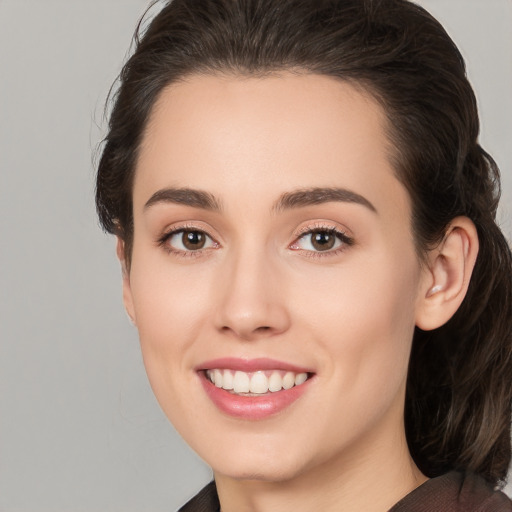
{"x": 230, "y": 133}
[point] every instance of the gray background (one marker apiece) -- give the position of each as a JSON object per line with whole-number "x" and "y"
{"x": 79, "y": 427}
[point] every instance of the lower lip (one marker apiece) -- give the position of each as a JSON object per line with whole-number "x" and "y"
{"x": 252, "y": 407}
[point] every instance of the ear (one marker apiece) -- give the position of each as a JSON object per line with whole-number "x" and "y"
{"x": 447, "y": 276}
{"x": 127, "y": 291}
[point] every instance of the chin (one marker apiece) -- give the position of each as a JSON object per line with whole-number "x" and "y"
{"x": 275, "y": 473}
{"x": 263, "y": 465}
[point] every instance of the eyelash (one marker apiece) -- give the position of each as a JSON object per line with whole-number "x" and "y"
{"x": 342, "y": 237}
{"x": 163, "y": 241}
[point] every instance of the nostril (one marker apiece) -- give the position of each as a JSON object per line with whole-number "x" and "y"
{"x": 247, "y": 334}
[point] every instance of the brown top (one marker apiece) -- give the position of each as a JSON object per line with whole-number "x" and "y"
{"x": 453, "y": 492}
{"x": 206, "y": 500}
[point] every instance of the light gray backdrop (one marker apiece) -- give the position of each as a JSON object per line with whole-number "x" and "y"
{"x": 79, "y": 427}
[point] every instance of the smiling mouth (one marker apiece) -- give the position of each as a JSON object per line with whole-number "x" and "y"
{"x": 256, "y": 383}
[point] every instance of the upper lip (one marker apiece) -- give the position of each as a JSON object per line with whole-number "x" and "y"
{"x": 250, "y": 365}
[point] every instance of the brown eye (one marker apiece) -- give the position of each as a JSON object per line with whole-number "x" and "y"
{"x": 193, "y": 240}
{"x": 323, "y": 240}
{"x": 187, "y": 240}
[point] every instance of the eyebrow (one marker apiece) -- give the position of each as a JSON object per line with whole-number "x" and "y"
{"x": 185, "y": 196}
{"x": 312, "y": 196}
{"x": 289, "y": 200}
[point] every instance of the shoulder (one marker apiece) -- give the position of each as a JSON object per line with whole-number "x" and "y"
{"x": 206, "y": 500}
{"x": 455, "y": 492}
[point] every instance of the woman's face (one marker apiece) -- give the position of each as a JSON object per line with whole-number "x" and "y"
{"x": 272, "y": 242}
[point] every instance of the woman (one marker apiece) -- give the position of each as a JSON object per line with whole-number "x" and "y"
{"x": 306, "y": 227}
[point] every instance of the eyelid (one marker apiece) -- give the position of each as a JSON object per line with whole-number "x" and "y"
{"x": 325, "y": 226}
{"x": 174, "y": 229}
{"x": 319, "y": 225}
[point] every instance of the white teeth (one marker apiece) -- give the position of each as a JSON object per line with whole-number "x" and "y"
{"x": 275, "y": 383}
{"x": 288, "y": 380}
{"x": 258, "y": 383}
{"x": 300, "y": 378}
{"x": 227, "y": 382}
{"x": 241, "y": 382}
{"x": 217, "y": 378}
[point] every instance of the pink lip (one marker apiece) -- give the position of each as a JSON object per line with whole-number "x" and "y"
{"x": 251, "y": 365}
{"x": 251, "y": 407}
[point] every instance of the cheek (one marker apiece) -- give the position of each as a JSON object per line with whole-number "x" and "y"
{"x": 170, "y": 311}
{"x": 362, "y": 322}
{"x": 170, "y": 306}
{"x": 364, "y": 317}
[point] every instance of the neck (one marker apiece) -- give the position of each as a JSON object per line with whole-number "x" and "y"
{"x": 373, "y": 481}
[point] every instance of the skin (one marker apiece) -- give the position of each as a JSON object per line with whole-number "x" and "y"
{"x": 260, "y": 289}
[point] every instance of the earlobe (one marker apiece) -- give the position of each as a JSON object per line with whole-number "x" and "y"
{"x": 127, "y": 291}
{"x": 447, "y": 277}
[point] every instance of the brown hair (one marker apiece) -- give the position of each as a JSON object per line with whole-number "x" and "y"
{"x": 459, "y": 393}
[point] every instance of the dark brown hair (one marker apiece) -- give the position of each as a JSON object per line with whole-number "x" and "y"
{"x": 459, "y": 392}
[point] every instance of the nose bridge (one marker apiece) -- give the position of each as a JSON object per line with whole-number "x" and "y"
{"x": 251, "y": 304}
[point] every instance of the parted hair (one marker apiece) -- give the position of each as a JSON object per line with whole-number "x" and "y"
{"x": 459, "y": 389}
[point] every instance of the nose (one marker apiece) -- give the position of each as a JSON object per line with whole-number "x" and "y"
{"x": 252, "y": 301}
